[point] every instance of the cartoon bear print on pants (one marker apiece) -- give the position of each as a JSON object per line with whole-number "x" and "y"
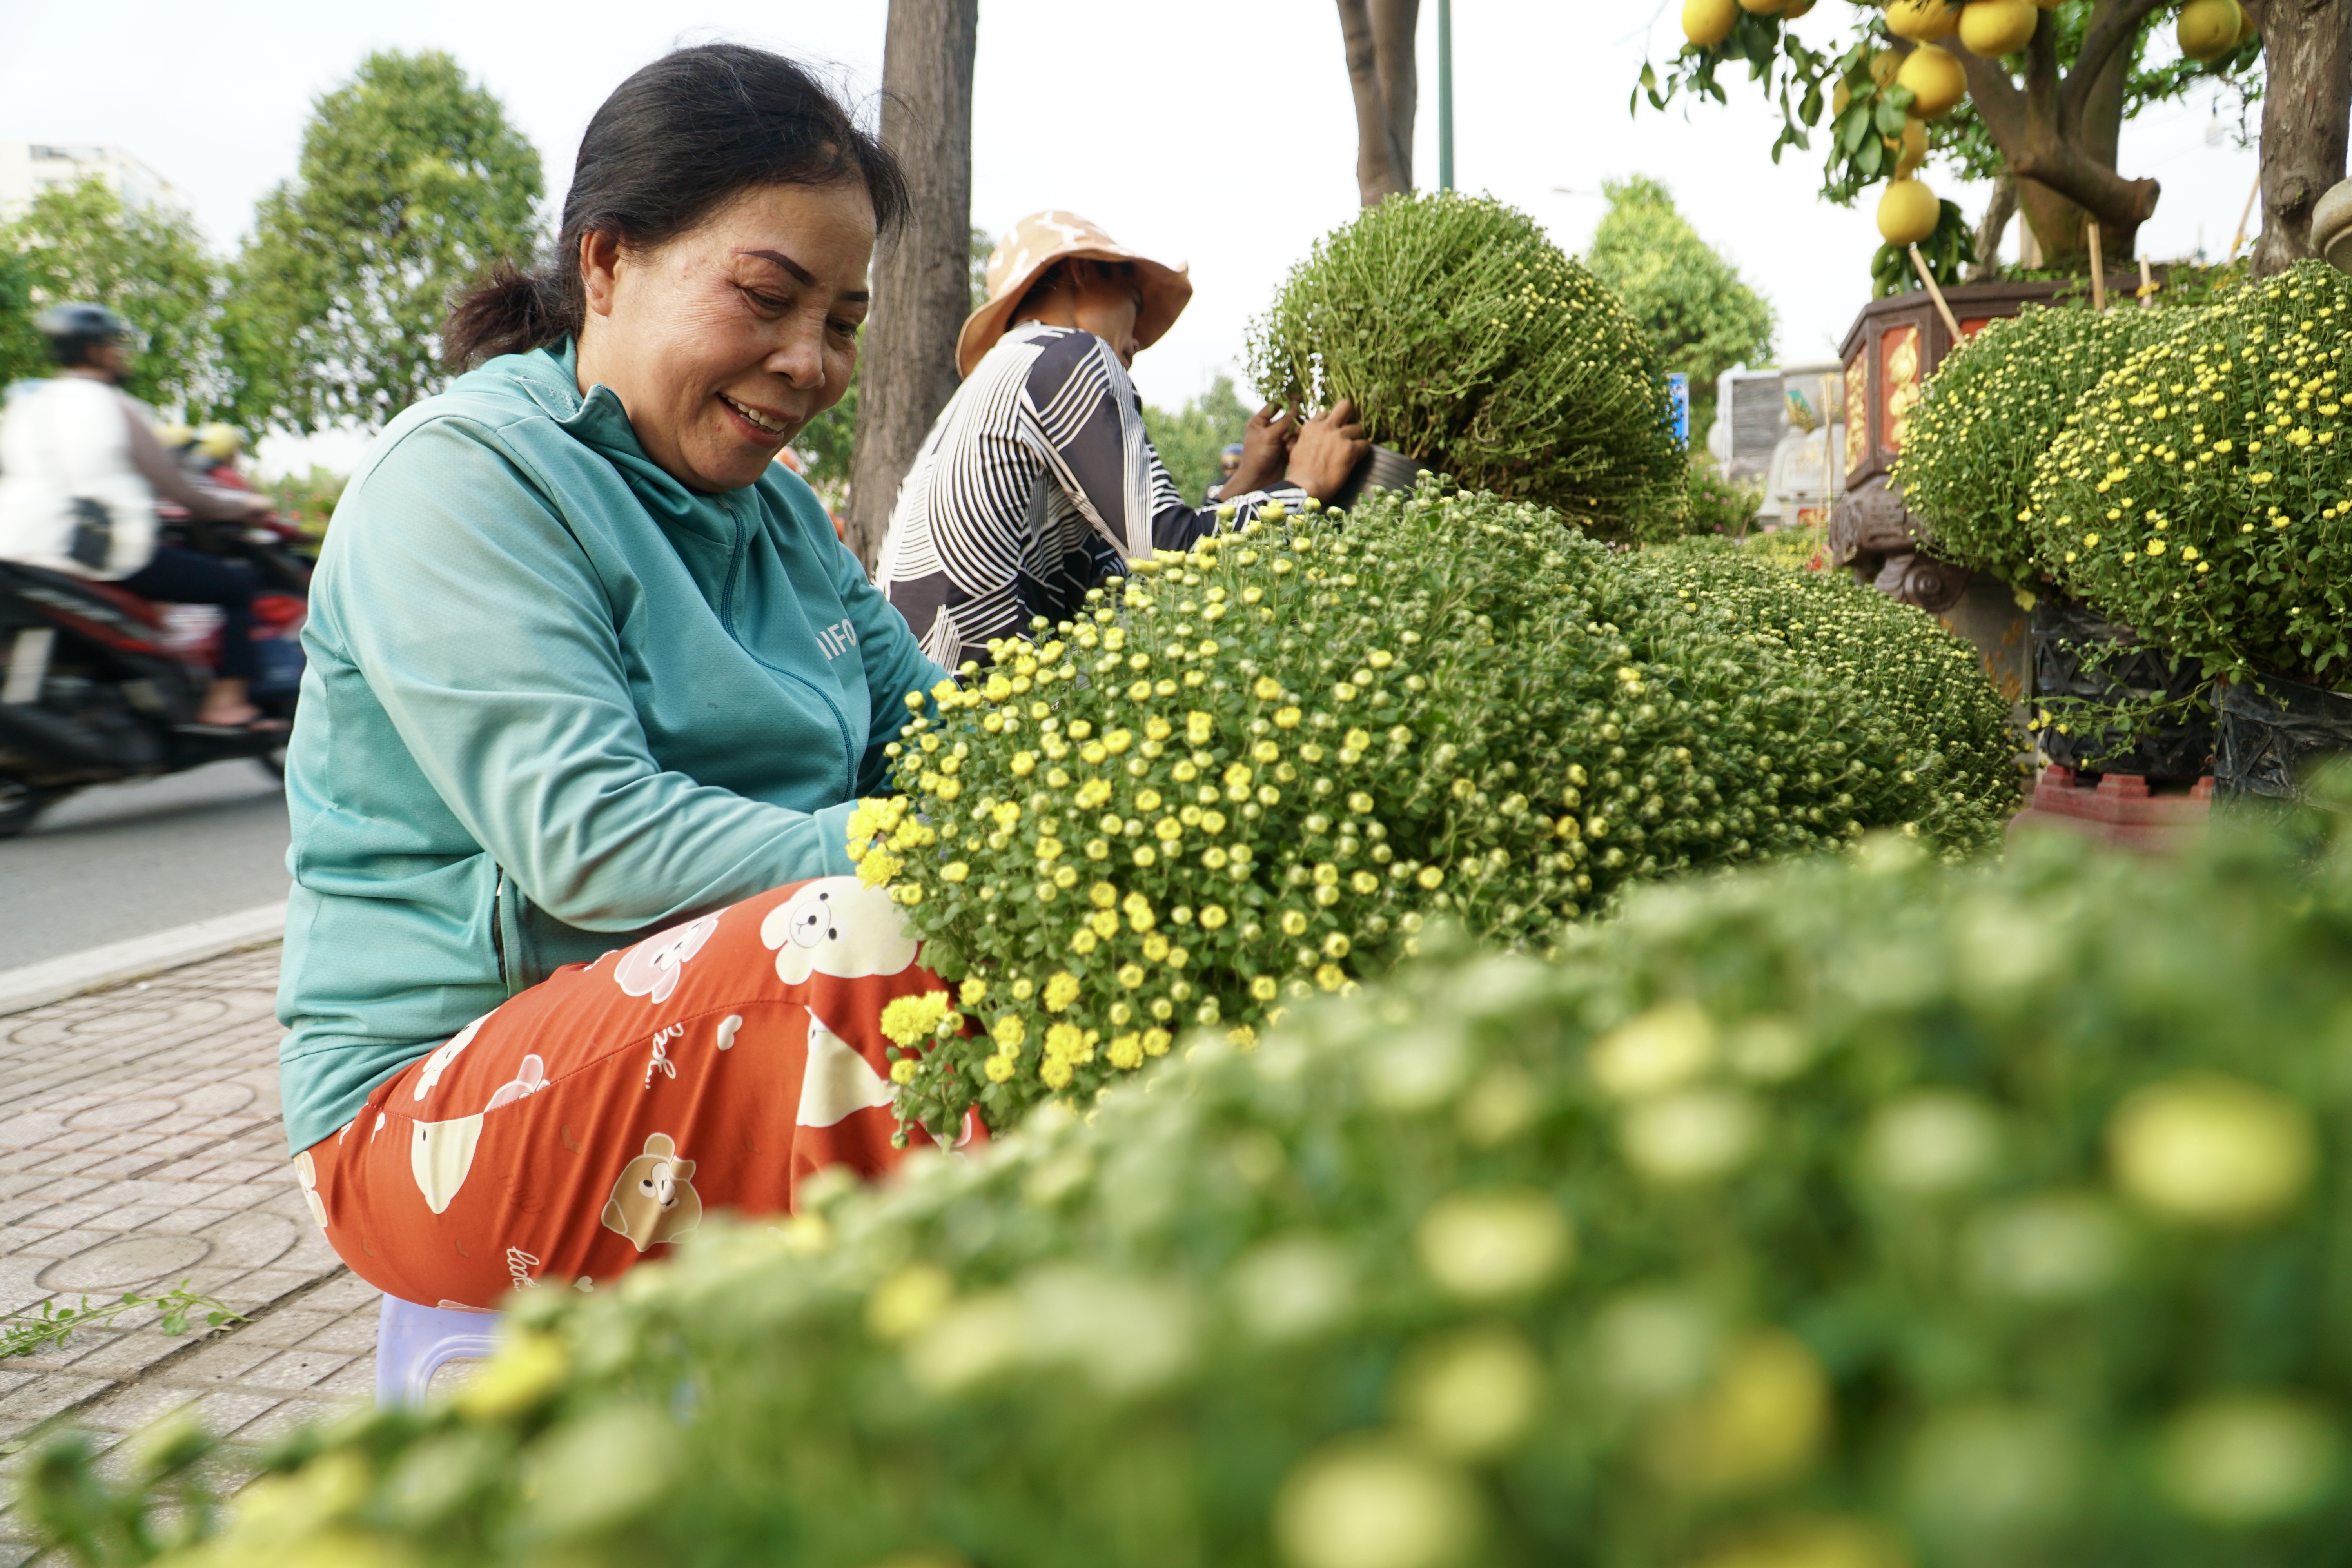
{"x": 439, "y": 1156}
{"x": 653, "y": 967}
{"x": 438, "y": 1062}
{"x": 838, "y": 926}
{"x": 654, "y": 1202}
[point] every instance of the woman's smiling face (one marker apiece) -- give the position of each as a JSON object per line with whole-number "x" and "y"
{"x": 725, "y": 342}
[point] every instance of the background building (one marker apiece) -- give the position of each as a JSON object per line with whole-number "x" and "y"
{"x": 28, "y": 168}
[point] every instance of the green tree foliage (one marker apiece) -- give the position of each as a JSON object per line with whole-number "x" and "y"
{"x": 149, "y": 264}
{"x": 1470, "y": 342}
{"x": 1700, "y": 316}
{"x": 2014, "y": 113}
{"x": 1189, "y": 439}
{"x": 1861, "y": 1214}
{"x": 412, "y": 184}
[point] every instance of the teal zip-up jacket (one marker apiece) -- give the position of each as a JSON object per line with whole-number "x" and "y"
{"x": 556, "y": 700}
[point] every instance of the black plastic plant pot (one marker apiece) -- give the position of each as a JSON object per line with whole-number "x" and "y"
{"x": 1381, "y": 469}
{"x": 2066, "y": 635}
{"x": 2272, "y": 731}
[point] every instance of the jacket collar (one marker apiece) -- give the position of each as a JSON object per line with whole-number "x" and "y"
{"x": 551, "y": 378}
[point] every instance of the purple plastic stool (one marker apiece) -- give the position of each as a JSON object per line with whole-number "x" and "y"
{"x": 413, "y": 1342}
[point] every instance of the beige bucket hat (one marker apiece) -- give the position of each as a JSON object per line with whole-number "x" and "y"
{"x": 1038, "y": 241}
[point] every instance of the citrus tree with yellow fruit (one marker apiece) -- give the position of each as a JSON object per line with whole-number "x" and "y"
{"x": 2033, "y": 92}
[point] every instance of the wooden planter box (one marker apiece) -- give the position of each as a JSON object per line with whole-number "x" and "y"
{"x": 1893, "y": 347}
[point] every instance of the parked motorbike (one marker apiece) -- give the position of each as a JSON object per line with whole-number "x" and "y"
{"x": 100, "y": 684}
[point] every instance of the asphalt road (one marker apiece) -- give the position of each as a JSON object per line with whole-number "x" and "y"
{"x": 125, "y": 860}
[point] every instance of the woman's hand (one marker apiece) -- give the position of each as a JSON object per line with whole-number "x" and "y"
{"x": 1265, "y": 451}
{"x": 1326, "y": 450}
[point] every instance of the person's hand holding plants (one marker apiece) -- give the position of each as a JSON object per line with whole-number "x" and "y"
{"x": 1326, "y": 450}
{"x": 1265, "y": 450}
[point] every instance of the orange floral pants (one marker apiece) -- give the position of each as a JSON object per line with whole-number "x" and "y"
{"x": 588, "y": 1122}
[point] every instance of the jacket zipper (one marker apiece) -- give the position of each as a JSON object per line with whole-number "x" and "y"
{"x": 498, "y": 928}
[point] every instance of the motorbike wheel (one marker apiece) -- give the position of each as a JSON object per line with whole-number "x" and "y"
{"x": 19, "y": 803}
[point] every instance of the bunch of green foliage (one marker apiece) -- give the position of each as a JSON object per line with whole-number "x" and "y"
{"x": 1252, "y": 774}
{"x": 1859, "y": 1214}
{"x": 1993, "y": 408}
{"x": 79, "y": 242}
{"x": 1470, "y": 342}
{"x": 1190, "y": 440}
{"x": 411, "y": 185}
{"x": 1915, "y": 703}
{"x": 2203, "y": 496}
{"x": 1700, "y": 317}
{"x": 1719, "y": 505}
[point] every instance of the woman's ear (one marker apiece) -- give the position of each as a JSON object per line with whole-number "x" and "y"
{"x": 600, "y": 263}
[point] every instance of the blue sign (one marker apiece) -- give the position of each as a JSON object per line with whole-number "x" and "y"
{"x": 1678, "y": 386}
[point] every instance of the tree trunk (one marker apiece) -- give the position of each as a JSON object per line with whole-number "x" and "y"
{"x": 2000, "y": 207}
{"x": 922, "y": 281}
{"x": 1378, "y": 35}
{"x": 2306, "y": 98}
{"x": 2059, "y": 135}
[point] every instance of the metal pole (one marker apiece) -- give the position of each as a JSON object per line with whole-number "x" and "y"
{"x": 1445, "y": 95}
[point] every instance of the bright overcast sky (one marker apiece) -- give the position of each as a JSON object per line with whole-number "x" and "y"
{"x": 1218, "y": 133}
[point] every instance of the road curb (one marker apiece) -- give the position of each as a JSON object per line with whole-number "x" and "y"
{"x": 94, "y": 969}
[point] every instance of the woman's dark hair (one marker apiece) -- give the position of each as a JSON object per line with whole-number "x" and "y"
{"x": 1072, "y": 272}
{"x": 673, "y": 142}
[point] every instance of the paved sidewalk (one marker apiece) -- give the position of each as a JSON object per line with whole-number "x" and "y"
{"x": 140, "y": 1145}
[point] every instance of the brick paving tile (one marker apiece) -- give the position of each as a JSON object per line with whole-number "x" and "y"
{"x": 133, "y": 1407}
{"x": 140, "y": 1146}
{"x": 296, "y": 1370}
{"x": 294, "y": 1413}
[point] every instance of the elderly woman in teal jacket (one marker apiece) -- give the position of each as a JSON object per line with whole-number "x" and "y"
{"x": 574, "y": 950}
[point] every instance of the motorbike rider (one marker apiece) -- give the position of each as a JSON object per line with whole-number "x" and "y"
{"x": 81, "y": 471}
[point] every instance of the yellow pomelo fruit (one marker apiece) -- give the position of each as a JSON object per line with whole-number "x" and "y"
{"x": 1910, "y": 149}
{"x": 2208, "y": 30}
{"x": 1708, "y": 22}
{"x": 1882, "y": 67}
{"x": 2246, "y": 25}
{"x": 1993, "y": 28}
{"x": 1762, "y": 7}
{"x": 1907, "y": 213}
{"x": 1840, "y": 96}
{"x": 1935, "y": 79}
{"x": 1922, "y": 21}
{"x": 1794, "y": 9}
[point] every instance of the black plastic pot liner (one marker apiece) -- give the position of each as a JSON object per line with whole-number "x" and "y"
{"x": 1381, "y": 469}
{"x": 2062, "y": 630}
{"x": 2271, "y": 728}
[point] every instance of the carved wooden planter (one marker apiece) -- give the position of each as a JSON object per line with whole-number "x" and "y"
{"x": 1891, "y": 350}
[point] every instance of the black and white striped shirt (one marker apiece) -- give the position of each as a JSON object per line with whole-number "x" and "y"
{"x": 1034, "y": 484}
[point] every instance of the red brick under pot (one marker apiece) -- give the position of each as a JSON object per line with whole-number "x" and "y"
{"x": 2118, "y": 808}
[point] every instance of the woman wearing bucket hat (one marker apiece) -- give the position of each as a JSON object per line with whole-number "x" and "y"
{"x": 1037, "y": 481}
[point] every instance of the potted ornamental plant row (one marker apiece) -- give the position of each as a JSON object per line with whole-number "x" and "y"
{"x": 1253, "y": 774}
{"x": 1890, "y": 354}
{"x": 1475, "y": 347}
{"x": 2123, "y": 726}
{"x": 1698, "y": 1244}
{"x": 2203, "y": 497}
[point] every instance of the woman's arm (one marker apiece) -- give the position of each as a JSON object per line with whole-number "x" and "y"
{"x": 483, "y": 630}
